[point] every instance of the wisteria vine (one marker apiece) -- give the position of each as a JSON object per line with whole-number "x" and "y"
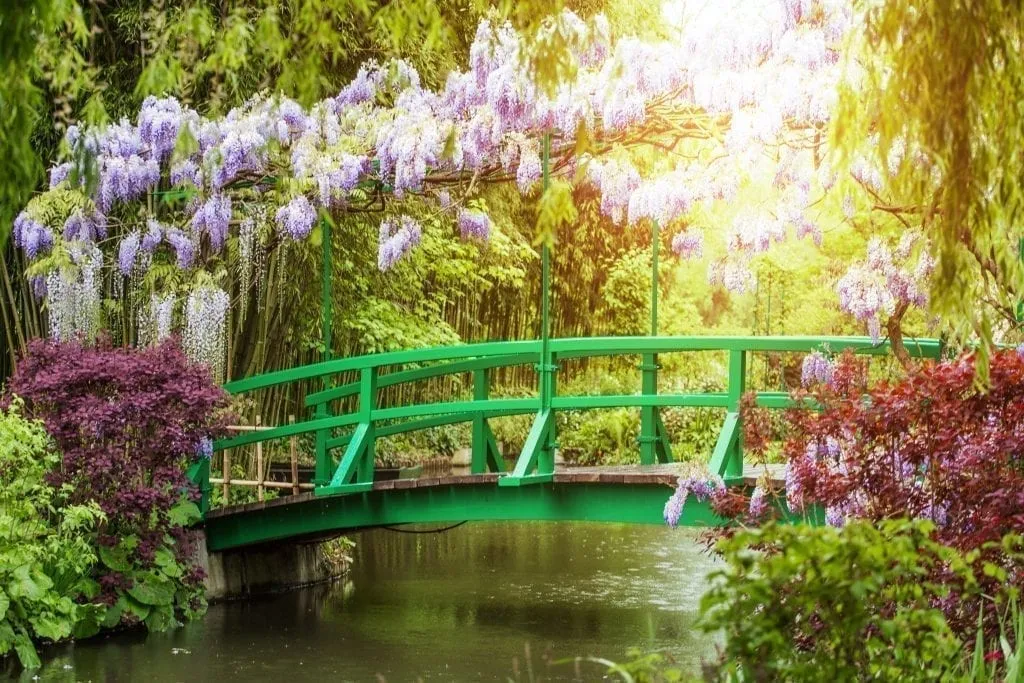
{"x": 174, "y": 187}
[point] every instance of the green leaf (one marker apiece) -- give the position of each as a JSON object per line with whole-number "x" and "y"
{"x": 136, "y": 608}
{"x": 26, "y": 652}
{"x": 184, "y": 513}
{"x": 28, "y": 583}
{"x": 5, "y": 602}
{"x": 160, "y": 618}
{"x": 112, "y": 617}
{"x": 149, "y": 589}
{"x": 51, "y": 627}
{"x": 115, "y": 558}
{"x": 90, "y": 619}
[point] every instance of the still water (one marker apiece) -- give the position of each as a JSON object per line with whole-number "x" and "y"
{"x": 484, "y": 601}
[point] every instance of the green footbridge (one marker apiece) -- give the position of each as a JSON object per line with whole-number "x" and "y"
{"x": 346, "y": 497}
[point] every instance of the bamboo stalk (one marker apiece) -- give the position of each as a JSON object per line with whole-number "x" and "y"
{"x": 267, "y": 484}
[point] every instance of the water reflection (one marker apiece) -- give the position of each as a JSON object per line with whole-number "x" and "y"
{"x": 462, "y": 605}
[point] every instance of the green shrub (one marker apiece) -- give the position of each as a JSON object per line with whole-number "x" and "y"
{"x": 800, "y": 603}
{"x": 46, "y": 554}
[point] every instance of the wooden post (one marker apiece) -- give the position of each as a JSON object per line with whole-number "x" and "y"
{"x": 225, "y": 489}
{"x": 293, "y": 447}
{"x": 259, "y": 464}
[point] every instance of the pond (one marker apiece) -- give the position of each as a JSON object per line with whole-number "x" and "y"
{"x": 483, "y": 601}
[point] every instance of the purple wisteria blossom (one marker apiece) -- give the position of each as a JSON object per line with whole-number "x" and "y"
{"x": 31, "y": 235}
{"x": 184, "y": 247}
{"x": 160, "y": 121}
{"x": 214, "y": 219}
{"x": 153, "y": 236}
{"x": 396, "y": 242}
{"x": 127, "y": 252}
{"x": 85, "y": 227}
{"x": 758, "y": 502}
{"x": 689, "y": 244}
{"x": 474, "y": 224}
{"x": 699, "y": 485}
{"x": 817, "y": 368}
{"x": 674, "y": 507}
{"x": 296, "y": 218}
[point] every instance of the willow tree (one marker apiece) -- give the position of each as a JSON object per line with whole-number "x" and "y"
{"x": 942, "y": 84}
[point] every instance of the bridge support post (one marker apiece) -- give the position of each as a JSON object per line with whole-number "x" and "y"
{"x": 539, "y": 450}
{"x": 727, "y": 458}
{"x": 486, "y": 455}
{"x": 324, "y": 464}
{"x": 654, "y": 441}
{"x": 355, "y": 471}
{"x": 655, "y": 445}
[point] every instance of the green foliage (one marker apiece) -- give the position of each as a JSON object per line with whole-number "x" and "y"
{"x": 803, "y": 603}
{"x": 46, "y": 555}
{"x": 155, "y": 595}
{"x": 950, "y": 97}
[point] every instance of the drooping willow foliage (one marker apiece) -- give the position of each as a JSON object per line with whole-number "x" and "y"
{"x": 946, "y": 80}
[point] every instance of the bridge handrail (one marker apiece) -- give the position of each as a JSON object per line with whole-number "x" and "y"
{"x": 480, "y": 357}
{"x": 523, "y": 352}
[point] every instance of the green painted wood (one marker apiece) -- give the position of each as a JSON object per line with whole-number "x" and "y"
{"x": 724, "y": 448}
{"x": 535, "y": 442}
{"x": 367, "y": 404}
{"x": 427, "y": 423}
{"x": 467, "y": 407}
{"x": 349, "y": 464}
{"x": 199, "y": 474}
{"x": 581, "y": 347}
{"x": 343, "y": 489}
{"x": 663, "y": 450}
{"x": 321, "y": 514}
{"x": 713, "y": 400}
{"x": 418, "y": 374}
{"x": 495, "y": 461}
{"x": 481, "y": 429}
{"x": 287, "y": 430}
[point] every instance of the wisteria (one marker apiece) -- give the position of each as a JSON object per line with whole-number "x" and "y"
{"x": 474, "y": 224}
{"x": 759, "y": 504}
{"x": 695, "y": 483}
{"x": 396, "y": 241}
{"x": 204, "y": 337}
{"x": 295, "y": 219}
{"x": 73, "y": 296}
{"x": 742, "y": 102}
{"x": 689, "y": 244}
{"x": 816, "y": 368}
{"x": 872, "y": 290}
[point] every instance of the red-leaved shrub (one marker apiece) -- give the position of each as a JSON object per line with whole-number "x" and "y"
{"x": 931, "y": 445}
{"x": 128, "y": 422}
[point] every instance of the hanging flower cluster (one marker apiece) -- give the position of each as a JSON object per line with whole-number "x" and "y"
{"x": 872, "y": 290}
{"x": 734, "y": 97}
{"x": 699, "y": 485}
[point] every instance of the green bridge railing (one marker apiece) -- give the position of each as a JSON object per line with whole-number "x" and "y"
{"x": 353, "y": 471}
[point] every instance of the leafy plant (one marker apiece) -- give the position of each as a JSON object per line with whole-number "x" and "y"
{"x": 932, "y": 445}
{"x": 128, "y": 422}
{"x": 800, "y": 603}
{"x": 46, "y": 555}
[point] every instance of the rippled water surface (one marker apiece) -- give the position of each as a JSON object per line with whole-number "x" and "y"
{"x": 484, "y": 601}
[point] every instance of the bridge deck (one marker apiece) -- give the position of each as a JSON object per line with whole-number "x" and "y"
{"x": 621, "y": 474}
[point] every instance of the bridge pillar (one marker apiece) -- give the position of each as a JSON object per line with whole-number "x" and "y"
{"x": 727, "y": 458}
{"x": 655, "y": 445}
{"x": 485, "y": 449}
